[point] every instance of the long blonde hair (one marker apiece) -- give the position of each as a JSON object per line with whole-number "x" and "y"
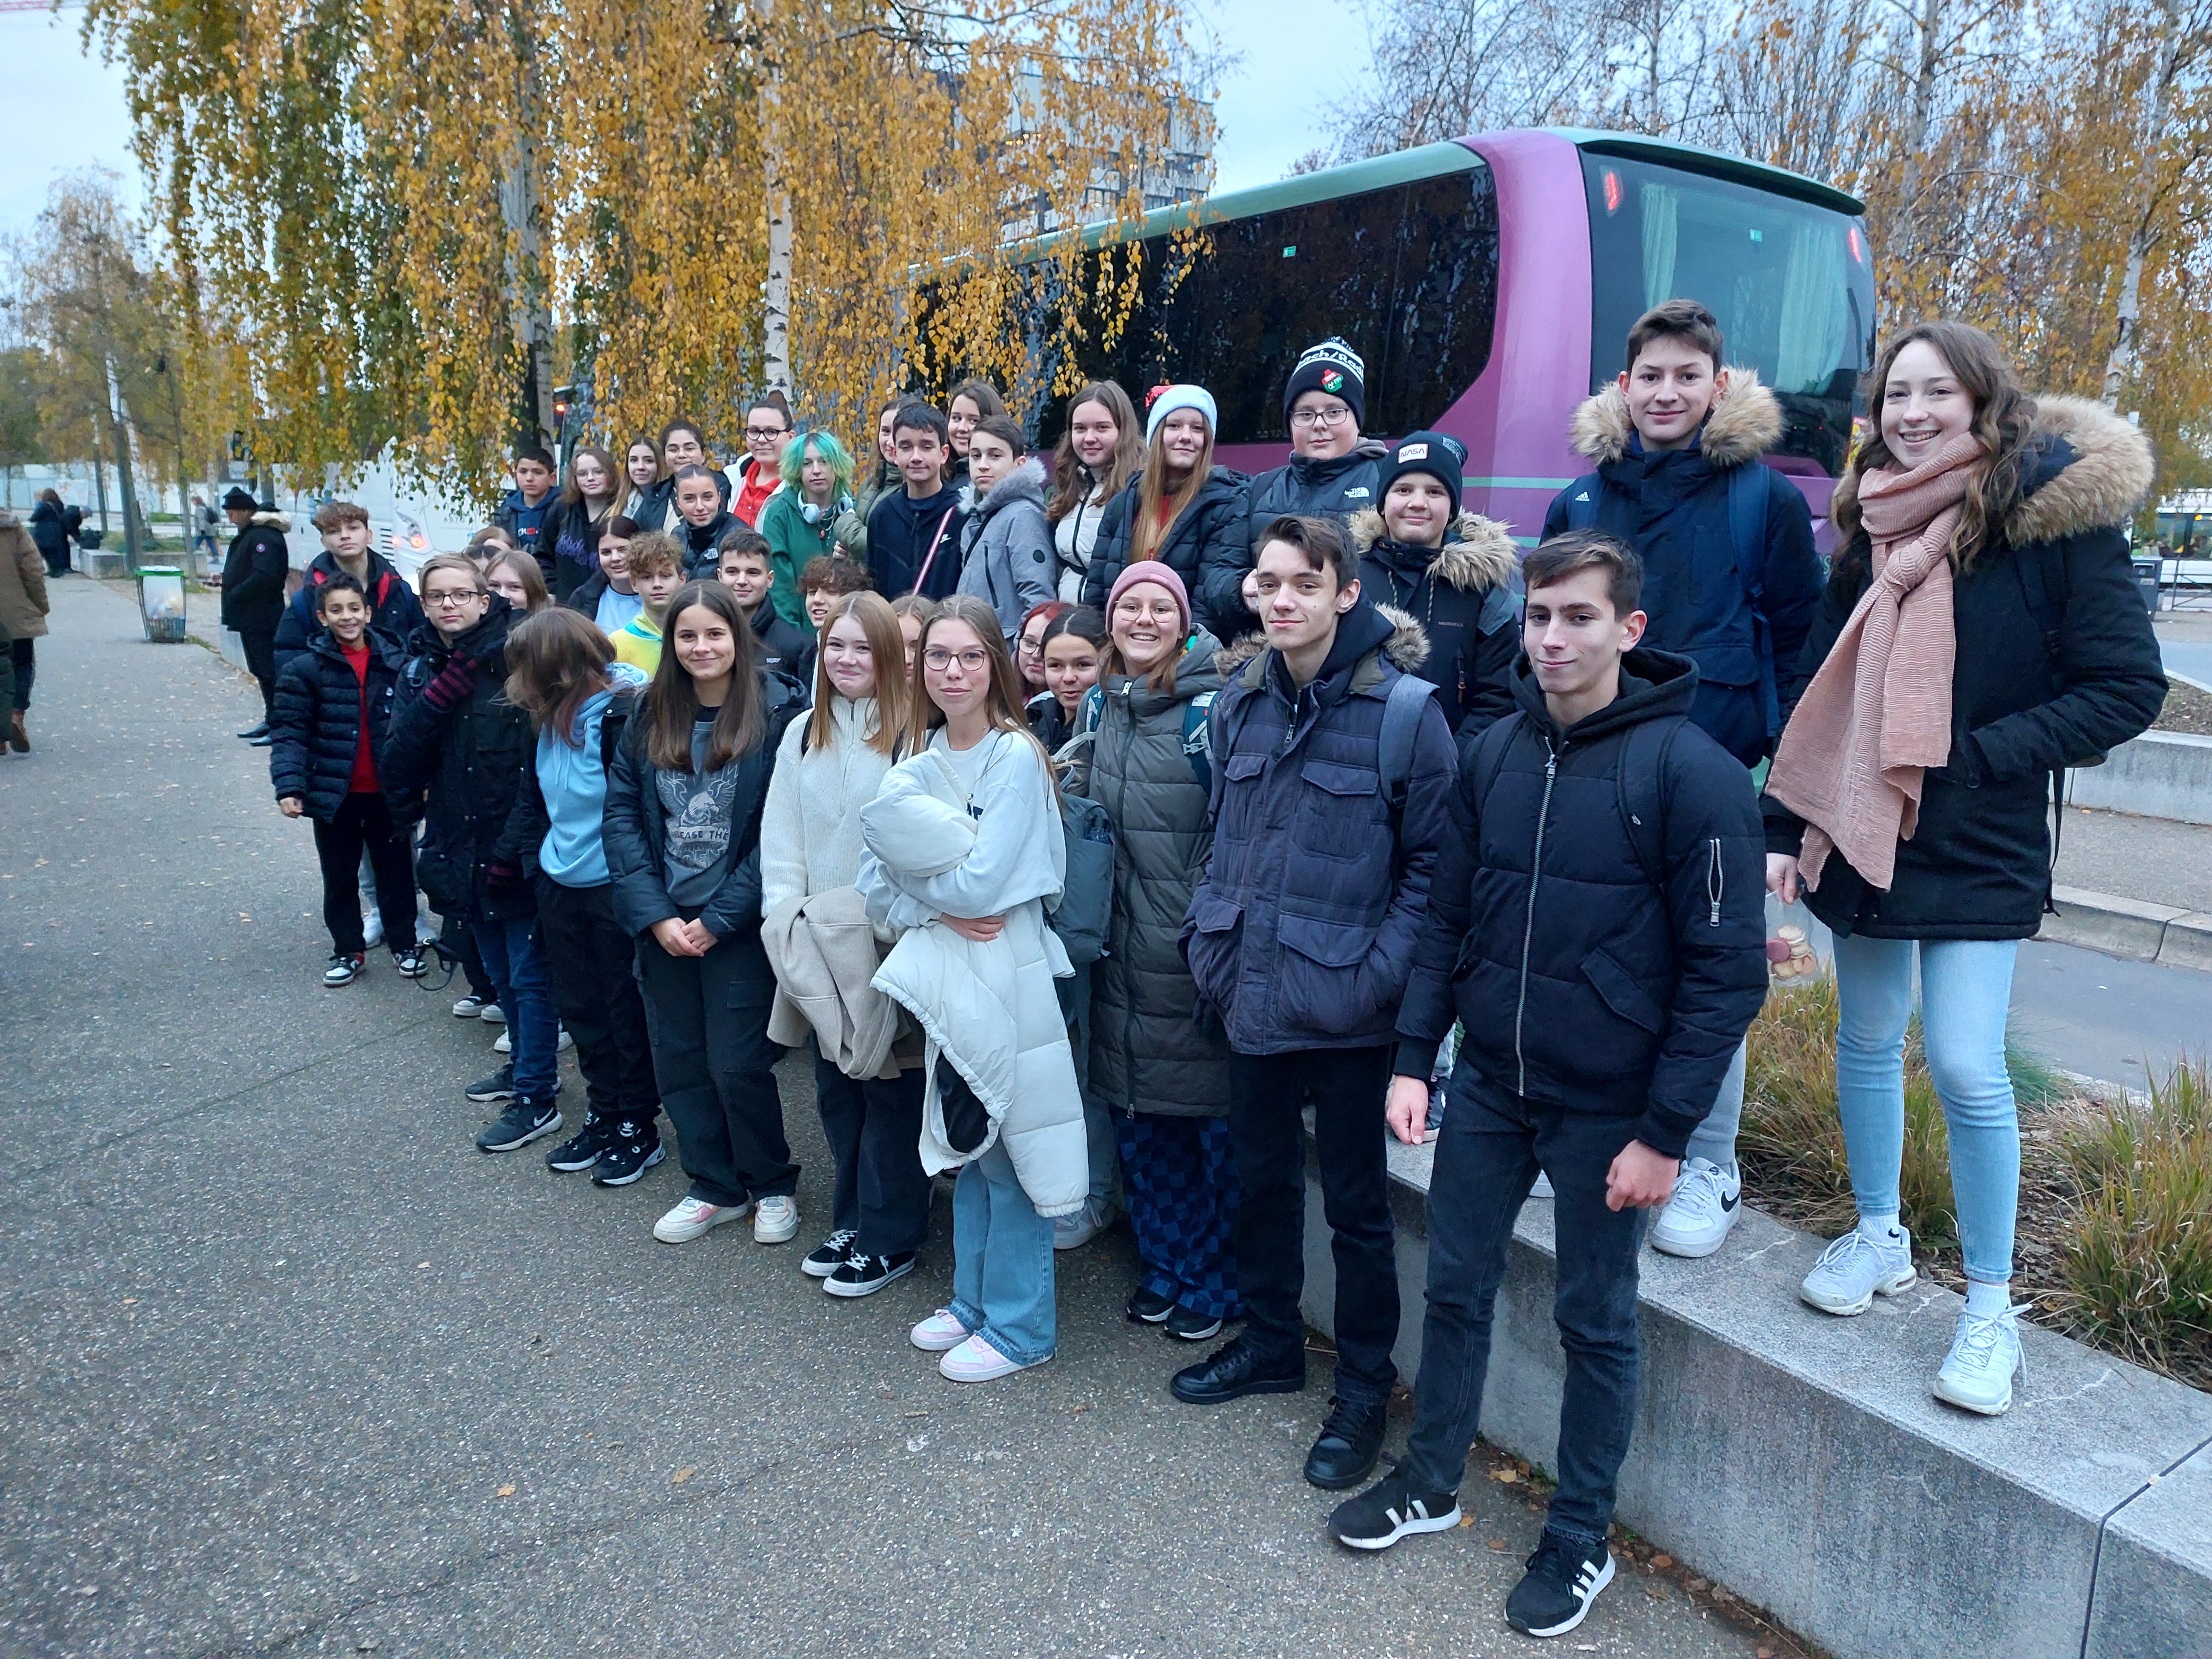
{"x": 887, "y": 650}
{"x": 1149, "y": 534}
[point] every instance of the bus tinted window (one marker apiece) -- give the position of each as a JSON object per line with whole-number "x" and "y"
{"x": 1408, "y": 274}
{"x": 1790, "y": 284}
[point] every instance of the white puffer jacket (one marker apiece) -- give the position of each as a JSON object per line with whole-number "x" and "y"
{"x": 991, "y": 1009}
{"x": 809, "y": 835}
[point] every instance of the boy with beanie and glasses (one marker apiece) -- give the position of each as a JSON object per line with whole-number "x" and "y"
{"x": 1331, "y": 473}
{"x": 1731, "y": 581}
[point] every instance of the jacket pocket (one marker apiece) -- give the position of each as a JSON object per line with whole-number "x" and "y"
{"x": 1339, "y": 811}
{"x": 1322, "y": 981}
{"x": 1620, "y": 991}
{"x": 1211, "y": 946}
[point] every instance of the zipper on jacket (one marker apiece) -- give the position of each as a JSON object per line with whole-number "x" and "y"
{"x": 1529, "y": 927}
{"x": 1716, "y": 883}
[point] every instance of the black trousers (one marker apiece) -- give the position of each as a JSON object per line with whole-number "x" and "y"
{"x": 261, "y": 662}
{"x": 873, "y": 1126}
{"x": 364, "y": 822}
{"x": 716, "y": 1068}
{"x": 25, "y": 660}
{"x": 1265, "y": 1095}
{"x": 589, "y": 961}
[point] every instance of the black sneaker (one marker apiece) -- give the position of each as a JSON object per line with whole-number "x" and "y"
{"x": 1390, "y": 1510}
{"x": 1233, "y": 1372}
{"x": 1350, "y": 1445}
{"x": 1191, "y": 1327}
{"x": 345, "y": 968}
{"x": 584, "y": 1148}
{"x": 1563, "y": 1578}
{"x": 830, "y": 1255}
{"x": 864, "y": 1275}
{"x": 1150, "y": 1306}
{"x": 259, "y": 731}
{"x": 526, "y": 1121}
{"x": 410, "y": 962}
{"x": 627, "y": 1157}
{"x": 500, "y": 1086}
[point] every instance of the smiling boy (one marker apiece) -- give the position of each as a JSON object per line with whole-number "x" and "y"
{"x": 745, "y": 571}
{"x": 656, "y": 570}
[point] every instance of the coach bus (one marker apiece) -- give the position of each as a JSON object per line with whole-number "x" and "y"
{"x": 1490, "y": 283}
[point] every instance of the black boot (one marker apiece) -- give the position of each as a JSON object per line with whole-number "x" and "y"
{"x": 1350, "y": 1445}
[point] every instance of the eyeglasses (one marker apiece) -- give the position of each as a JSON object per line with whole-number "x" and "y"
{"x": 451, "y": 599}
{"x": 1308, "y": 417}
{"x": 939, "y": 659}
{"x": 766, "y": 431}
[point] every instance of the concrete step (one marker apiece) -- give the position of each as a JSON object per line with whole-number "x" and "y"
{"x": 2164, "y": 934}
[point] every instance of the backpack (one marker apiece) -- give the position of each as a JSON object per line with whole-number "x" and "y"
{"x": 1640, "y": 783}
{"x": 1085, "y": 910}
{"x": 1197, "y": 730}
{"x": 1748, "y": 489}
{"x": 1408, "y": 696}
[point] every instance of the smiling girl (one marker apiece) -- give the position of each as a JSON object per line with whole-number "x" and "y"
{"x": 1181, "y": 510}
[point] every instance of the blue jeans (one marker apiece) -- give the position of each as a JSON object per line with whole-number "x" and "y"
{"x": 1002, "y": 1285}
{"x": 1965, "y": 987}
{"x": 1488, "y": 1151}
{"x": 517, "y": 967}
{"x": 1714, "y": 1139}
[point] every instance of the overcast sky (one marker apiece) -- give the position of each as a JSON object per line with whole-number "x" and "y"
{"x": 63, "y": 110}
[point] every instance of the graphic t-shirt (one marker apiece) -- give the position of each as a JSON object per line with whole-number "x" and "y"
{"x": 695, "y": 806}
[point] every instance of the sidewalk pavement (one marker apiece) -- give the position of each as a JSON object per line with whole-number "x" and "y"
{"x": 292, "y": 1368}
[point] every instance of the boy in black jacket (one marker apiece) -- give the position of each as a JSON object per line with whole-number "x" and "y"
{"x": 1597, "y": 924}
{"x": 913, "y": 532}
{"x": 333, "y": 699}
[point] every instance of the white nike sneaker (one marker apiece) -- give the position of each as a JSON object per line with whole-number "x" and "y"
{"x": 1708, "y": 1197}
{"x": 1854, "y": 1269}
{"x": 1977, "y": 1372}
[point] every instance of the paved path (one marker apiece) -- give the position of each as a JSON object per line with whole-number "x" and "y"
{"x": 275, "y": 1339}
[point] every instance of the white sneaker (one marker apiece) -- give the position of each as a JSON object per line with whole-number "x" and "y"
{"x": 372, "y": 929}
{"x": 938, "y": 1332}
{"x": 693, "y": 1216}
{"x": 1977, "y": 1373}
{"x": 505, "y": 1043}
{"x": 775, "y": 1221}
{"x": 1076, "y": 1229}
{"x": 1854, "y": 1267}
{"x": 468, "y": 1007}
{"x": 977, "y": 1361}
{"x": 491, "y": 1014}
{"x": 1543, "y": 1186}
{"x": 1708, "y": 1197}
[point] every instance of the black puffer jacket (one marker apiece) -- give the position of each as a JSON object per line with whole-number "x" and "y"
{"x": 253, "y": 573}
{"x": 1581, "y": 981}
{"x": 636, "y": 832}
{"x": 1461, "y": 594}
{"x": 320, "y": 706}
{"x": 789, "y": 650}
{"x": 1206, "y": 546}
{"x": 461, "y": 767}
{"x": 1334, "y": 488}
{"x": 1302, "y": 931}
{"x": 1978, "y": 865}
{"x": 703, "y": 543}
{"x": 396, "y": 612}
{"x": 1147, "y": 1054}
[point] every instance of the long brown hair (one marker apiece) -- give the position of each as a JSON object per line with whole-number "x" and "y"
{"x": 886, "y": 649}
{"x": 1148, "y": 535}
{"x": 2004, "y": 426}
{"x": 1002, "y": 704}
{"x": 671, "y": 704}
{"x": 556, "y": 662}
{"x": 1071, "y": 485}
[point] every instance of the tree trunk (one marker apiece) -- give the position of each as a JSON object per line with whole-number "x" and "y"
{"x": 522, "y": 207}
{"x": 1927, "y": 27}
{"x": 776, "y": 307}
{"x": 119, "y": 434}
{"x": 2119, "y": 366}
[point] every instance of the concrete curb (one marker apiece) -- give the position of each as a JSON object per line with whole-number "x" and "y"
{"x": 1803, "y": 1461}
{"x": 2163, "y": 933}
{"x": 2159, "y": 775}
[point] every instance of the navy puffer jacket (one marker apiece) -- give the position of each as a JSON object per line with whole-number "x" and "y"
{"x": 1302, "y": 935}
{"x": 1206, "y": 546}
{"x": 316, "y": 731}
{"x": 1583, "y": 982}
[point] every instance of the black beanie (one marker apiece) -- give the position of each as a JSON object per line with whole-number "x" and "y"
{"x": 1331, "y": 366}
{"x": 1442, "y": 456}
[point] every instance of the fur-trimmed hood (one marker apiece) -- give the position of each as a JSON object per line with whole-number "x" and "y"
{"x": 1744, "y": 423}
{"x": 1478, "y": 554}
{"x": 1407, "y": 647}
{"x": 279, "y": 522}
{"x": 1026, "y": 483}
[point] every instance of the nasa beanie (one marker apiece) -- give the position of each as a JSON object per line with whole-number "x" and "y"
{"x": 1331, "y": 366}
{"x": 1443, "y": 458}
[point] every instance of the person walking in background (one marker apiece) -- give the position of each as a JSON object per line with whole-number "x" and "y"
{"x": 828, "y": 768}
{"x": 1006, "y": 545}
{"x": 1100, "y": 452}
{"x": 1985, "y": 566}
{"x": 579, "y": 517}
{"x": 253, "y": 574}
{"x": 683, "y": 830}
{"x": 1182, "y": 510}
{"x": 964, "y": 851}
{"x": 760, "y": 475}
{"x": 562, "y": 674}
{"x": 50, "y": 531}
{"x": 1163, "y": 1074}
{"x": 23, "y": 608}
{"x": 1332, "y": 473}
{"x": 333, "y": 707}
{"x": 204, "y": 522}
{"x": 1731, "y": 581}
{"x": 799, "y": 521}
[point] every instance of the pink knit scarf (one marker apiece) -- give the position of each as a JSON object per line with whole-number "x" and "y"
{"x": 1853, "y": 760}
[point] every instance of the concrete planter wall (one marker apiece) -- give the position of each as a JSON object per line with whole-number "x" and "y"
{"x": 2159, "y": 775}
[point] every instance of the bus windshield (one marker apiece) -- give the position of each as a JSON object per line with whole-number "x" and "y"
{"x": 1791, "y": 285}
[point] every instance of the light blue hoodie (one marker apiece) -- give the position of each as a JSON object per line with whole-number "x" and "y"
{"x": 574, "y": 780}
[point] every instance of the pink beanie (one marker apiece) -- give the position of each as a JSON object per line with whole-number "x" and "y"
{"x": 1150, "y": 570}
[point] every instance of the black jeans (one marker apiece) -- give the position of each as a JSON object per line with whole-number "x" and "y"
{"x": 716, "y": 1068}
{"x": 363, "y": 821}
{"x": 1266, "y": 1093}
{"x": 589, "y": 961}
{"x": 1488, "y": 1151}
{"x": 873, "y": 1126}
{"x": 23, "y": 654}
{"x": 260, "y": 646}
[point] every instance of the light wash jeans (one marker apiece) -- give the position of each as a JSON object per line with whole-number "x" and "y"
{"x": 1002, "y": 1283}
{"x": 1965, "y": 987}
{"x": 1715, "y": 1137}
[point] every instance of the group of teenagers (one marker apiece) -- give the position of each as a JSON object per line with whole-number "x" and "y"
{"x": 1101, "y": 826}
